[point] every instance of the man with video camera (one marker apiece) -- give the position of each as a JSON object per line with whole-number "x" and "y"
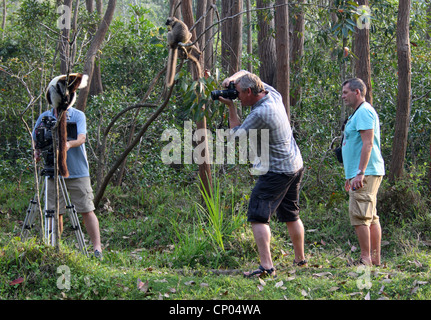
{"x": 78, "y": 182}
{"x": 277, "y": 189}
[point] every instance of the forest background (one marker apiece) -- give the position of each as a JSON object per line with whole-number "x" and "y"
{"x": 161, "y": 239}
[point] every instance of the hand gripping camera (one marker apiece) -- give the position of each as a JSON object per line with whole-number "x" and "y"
{"x": 230, "y": 93}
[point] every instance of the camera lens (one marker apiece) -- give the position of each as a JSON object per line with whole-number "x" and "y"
{"x": 216, "y": 94}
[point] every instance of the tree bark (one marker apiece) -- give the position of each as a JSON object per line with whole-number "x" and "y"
{"x": 204, "y": 168}
{"x": 282, "y": 50}
{"x": 236, "y": 37}
{"x": 266, "y": 45}
{"x": 297, "y": 43}
{"x": 209, "y": 59}
{"x": 92, "y": 52}
{"x": 249, "y": 36}
{"x": 362, "y": 51}
{"x": 399, "y": 146}
{"x": 225, "y": 34}
{"x": 64, "y": 45}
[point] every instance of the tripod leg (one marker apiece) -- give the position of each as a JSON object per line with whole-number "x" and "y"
{"x": 49, "y": 217}
{"x": 32, "y": 211}
{"x": 70, "y": 209}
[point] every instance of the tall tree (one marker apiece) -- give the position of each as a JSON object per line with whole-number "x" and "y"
{"x": 204, "y": 168}
{"x": 65, "y": 56}
{"x": 209, "y": 59}
{"x": 236, "y": 36}
{"x": 249, "y": 35}
{"x": 96, "y": 86}
{"x": 231, "y": 35}
{"x": 296, "y": 17}
{"x": 226, "y": 28}
{"x": 95, "y": 44}
{"x": 404, "y": 91}
{"x": 362, "y": 51}
{"x": 266, "y": 43}
{"x": 282, "y": 50}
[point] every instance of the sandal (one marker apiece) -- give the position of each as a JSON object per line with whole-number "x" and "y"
{"x": 302, "y": 264}
{"x": 261, "y": 272}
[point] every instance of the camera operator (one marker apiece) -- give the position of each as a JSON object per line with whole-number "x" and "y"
{"x": 78, "y": 183}
{"x": 277, "y": 190}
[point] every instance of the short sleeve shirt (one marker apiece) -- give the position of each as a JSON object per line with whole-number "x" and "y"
{"x": 365, "y": 118}
{"x": 77, "y": 163}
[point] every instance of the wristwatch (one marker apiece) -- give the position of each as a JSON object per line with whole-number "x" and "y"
{"x": 360, "y": 172}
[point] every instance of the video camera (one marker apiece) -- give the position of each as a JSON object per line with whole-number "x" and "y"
{"x": 230, "y": 93}
{"x": 43, "y": 137}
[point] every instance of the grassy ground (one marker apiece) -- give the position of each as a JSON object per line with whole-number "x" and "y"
{"x": 160, "y": 245}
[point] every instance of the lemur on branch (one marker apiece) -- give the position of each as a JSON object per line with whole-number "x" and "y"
{"x": 179, "y": 39}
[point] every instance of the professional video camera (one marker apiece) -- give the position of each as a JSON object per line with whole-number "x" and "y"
{"x": 230, "y": 93}
{"x": 43, "y": 137}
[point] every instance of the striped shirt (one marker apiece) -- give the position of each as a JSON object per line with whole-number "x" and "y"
{"x": 271, "y": 136}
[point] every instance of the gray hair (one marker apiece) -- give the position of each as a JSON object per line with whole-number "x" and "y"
{"x": 252, "y": 81}
{"x": 356, "y": 83}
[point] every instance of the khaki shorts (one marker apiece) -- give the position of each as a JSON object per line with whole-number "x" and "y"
{"x": 362, "y": 202}
{"x": 80, "y": 193}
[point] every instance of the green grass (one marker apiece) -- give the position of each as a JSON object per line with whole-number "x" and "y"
{"x": 159, "y": 244}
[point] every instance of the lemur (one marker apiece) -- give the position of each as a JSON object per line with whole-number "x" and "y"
{"x": 179, "y": 35}
{"x": 61, "y": 94}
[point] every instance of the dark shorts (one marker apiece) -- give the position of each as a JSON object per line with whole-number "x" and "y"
{"x": 275, "y": 193}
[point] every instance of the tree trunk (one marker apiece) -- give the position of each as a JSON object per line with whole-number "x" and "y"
{"x": 249, "y": 36}
{"x": 297, "y": 43}
{"x": 266, "y": 44}
{"x": 65, "y": 56}
{"x": 226, "y": 28}
{"x": 362, "y": 51}
{"x": 209, "y": 59}
{"x": 236, "y": 37}
{"x": 92, "y": 52}
{"x": 282, "y": 50}
{"x": 204, "y": 168}
{"x": 96, "y": 86}
{"x": 399, "y": 146}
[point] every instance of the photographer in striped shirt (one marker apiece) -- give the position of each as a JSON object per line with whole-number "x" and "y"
{"x": 280, "y": 174}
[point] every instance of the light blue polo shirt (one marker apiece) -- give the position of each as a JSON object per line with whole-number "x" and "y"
{"x": 77, "y": 163}
{"x": 365, "y": 118}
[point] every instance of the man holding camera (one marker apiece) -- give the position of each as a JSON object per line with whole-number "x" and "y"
{"x": 277, "y": 189}
{"x": 78, "y": 183}
{"x": 364, "y": 169}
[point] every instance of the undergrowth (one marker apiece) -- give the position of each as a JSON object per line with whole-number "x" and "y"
{"x": 162, "y": 242}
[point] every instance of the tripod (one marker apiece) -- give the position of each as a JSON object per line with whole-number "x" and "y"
{"x": 48, "y": 223}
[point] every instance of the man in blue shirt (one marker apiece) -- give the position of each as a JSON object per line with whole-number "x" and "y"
{"x": 364, "y": 169}
{"x": 280, "y": 170}
{"x": 78, "y": 182}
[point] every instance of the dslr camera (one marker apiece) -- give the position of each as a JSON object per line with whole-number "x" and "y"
{"x": 230, "y": 93}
